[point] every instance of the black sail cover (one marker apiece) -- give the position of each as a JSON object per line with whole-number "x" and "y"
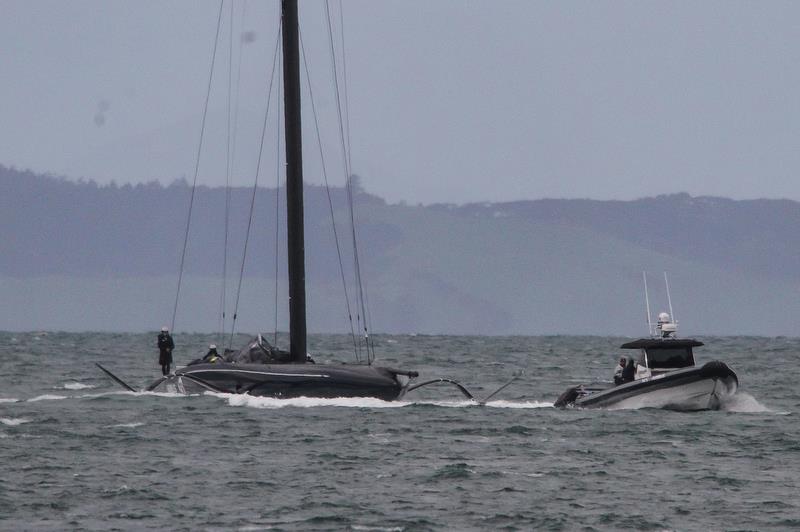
{"x": 259, "y": 351}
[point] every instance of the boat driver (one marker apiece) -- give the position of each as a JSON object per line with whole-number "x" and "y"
{"x": 625, "y": 371}
{"x": 620, "y": 368}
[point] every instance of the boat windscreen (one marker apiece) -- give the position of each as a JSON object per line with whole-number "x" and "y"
{"x": 670, "y": 357}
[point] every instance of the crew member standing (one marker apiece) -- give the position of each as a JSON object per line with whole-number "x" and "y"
{"x": 165, "y": 347}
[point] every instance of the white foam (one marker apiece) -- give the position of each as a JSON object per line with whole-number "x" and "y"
{"x": 514, "y": 404}
{"x": 518, "y": 473}
{"x": 104, "y": 394}
{"x": 360, "y": 402}
{"x": 8, "y": 400}
{"x": 77, "y": 386}
{"x": 743, "y": 402}
{"x": 306, "y": 402}
{"x": 164, "y": 394}
{"x": 127, "y": 425}
{"x": 47, "y": 397}
{"x": 13, "y": 422}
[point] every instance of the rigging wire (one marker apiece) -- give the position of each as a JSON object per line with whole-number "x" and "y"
{"x": 196, "y": 170}
{"x": 330, "y": 201}
{"x": 228, "y": 165}
{"x": 346, "y": 104}
{"x": 348, "y": 177}
{"x": 255, "y": 186}
{"x": 277, "y": 203}
{"x": 235, "y": 132}
{"x": 344, "y": 83}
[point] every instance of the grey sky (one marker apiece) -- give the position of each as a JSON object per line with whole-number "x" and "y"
{"x": 450, "y": 101}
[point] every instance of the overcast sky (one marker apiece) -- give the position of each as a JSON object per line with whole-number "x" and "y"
{"x": 450, "y": 101}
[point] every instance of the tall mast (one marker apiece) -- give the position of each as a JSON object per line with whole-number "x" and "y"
{"x": 294, "y": 182}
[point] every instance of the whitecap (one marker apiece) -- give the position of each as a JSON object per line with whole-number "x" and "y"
{"x": 13, "y": 422}
{"x": 8, "y": 400}
{"x": 47, "y": 397}
{"x": 127, "y": 425}
{"x": 77, "y": 386}
{"x": 519, "y": 473}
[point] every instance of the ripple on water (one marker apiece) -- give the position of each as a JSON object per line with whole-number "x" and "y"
{"x": 110, "y": 459}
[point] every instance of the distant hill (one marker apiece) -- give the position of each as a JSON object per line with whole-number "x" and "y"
{"x": 527, "y": 267}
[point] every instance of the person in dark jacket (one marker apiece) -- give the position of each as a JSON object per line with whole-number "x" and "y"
{"x": 165, "y": 347}
{"x": 625, "y": 371}
{"x": 618, "y": 371}
{"x": 629, "y": 373}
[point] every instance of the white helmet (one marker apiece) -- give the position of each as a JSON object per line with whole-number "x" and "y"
{"x": 164, "y": 329}
{"x": 212, "y": 346}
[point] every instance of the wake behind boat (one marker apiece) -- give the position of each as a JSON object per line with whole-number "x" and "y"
{"x": 664, "y": 375}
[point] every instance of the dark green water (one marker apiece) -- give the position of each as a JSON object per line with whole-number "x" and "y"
{"x": 79, "y": 454}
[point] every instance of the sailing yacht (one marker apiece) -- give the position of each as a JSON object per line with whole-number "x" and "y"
{"x": 260, "y": 369}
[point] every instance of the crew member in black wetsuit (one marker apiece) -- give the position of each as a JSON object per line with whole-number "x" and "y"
{"x": 212, "y": 355}
{"x": 165, "y": 347}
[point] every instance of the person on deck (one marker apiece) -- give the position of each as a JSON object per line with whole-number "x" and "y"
{"x": 620, "y": 368}
{"x": 165, "y": 347}
{"x": 629, "y": 373}
{"x": 212, "y": 355}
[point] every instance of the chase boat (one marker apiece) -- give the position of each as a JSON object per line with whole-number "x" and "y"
{"x": 664, "y": 375}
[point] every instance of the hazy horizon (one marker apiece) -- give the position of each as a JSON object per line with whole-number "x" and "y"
{"x": 184, "y": 182}
{"x": 106, "y": 258}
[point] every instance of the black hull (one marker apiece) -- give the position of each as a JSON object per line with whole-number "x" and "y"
{"x": 285, "y": 380}
{"x": 695, "y": 388}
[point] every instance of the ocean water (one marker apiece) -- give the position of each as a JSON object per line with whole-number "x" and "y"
{"x": 79, "y": 453}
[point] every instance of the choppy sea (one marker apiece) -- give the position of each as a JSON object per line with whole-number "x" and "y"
{"x": 79, "y": 453}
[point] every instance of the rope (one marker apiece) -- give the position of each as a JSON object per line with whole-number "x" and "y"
{"x": 277, "y": 208}
{"x": 255, "y": 188}
{"x": 348, "y": 174}
{"x": 196, "y": 170}
{"x": 228, "y": 165}
{"x": 330, "y": 201}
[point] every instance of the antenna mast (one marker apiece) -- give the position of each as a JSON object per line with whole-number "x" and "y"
{"x": 669, "y": 299}
{"x": 647, "y": 305}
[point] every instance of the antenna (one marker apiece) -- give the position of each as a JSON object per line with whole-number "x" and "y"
{"x": 647, "y": 304}
{"x": 669, "y": 299}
